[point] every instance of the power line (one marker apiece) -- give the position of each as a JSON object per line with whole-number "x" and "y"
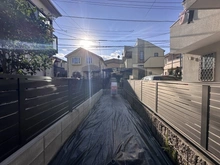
{"x": 101, "y": 30}
{"x": 111, "y": 40}
{"x": 115, "y": 19}
{"x": 71, "y": 19}
{"x": 150, "y": 8}
{"x": 121, "y": 5}
{"x": 113, "y": 46}
{"x": 98, "y": 30}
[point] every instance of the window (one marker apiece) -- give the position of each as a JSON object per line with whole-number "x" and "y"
{"x": 89, "y": 60}
{"x": 76, "y": 60}
{"x": 207, "y": 66}
{"x": 150, "y": 73}
{"x": 141, "y": 55}
{"x": 155, "y": 54}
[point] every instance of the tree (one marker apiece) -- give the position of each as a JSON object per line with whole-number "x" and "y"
{"x": 25, "y": 38}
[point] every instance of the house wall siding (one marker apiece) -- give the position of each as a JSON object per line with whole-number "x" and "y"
{"x": 82, "y": 54}
{"x": 191, "y": 67}
{"x": 205, "y": 24}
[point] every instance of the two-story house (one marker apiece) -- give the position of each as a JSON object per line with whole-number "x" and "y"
{"x": 172, "y": 64}
{"x": 59, "y": 68}
{"x": 144, "y": 59}
{"x": 196, "y": 35}
{"x": 84, "y": 64}
{"x": 47, "y": 10}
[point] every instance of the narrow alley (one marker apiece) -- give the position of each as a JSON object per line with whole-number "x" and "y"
{"x": 111, "y": 134}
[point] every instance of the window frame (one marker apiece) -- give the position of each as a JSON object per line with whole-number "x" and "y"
{"x": 156, "y": 55}
{"x": 79, "y": 61}
{"x": 205, "y": 69}
{"x": 88, "y": 60}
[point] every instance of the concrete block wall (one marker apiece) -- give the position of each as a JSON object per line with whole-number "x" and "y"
{"x": 43, "y": 148}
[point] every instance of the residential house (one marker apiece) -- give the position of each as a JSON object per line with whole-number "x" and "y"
{"x": 46, "y": 9}
{"x": 143, "y": 59}
{"x": 58, "y": 68}
{"x": 196, "y": 35}
{"x": 172, "y": 63}
{"x": 85, "y": 63}
{"x": 114, "y": 65}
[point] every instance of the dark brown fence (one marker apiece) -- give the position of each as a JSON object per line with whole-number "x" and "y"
{"x": 29, "y": 105}
{"x": 192, "y": 109}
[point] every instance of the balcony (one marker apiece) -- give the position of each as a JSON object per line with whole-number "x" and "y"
{"x": 201, "y": 4}
{"x": 202, "y": 31}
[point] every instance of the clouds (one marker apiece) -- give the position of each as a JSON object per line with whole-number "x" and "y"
{"x": 64, "y": 50}
{"x": 113, "y": 55}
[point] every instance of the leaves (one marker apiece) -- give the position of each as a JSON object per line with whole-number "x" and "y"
{"x": 25, "y": 38}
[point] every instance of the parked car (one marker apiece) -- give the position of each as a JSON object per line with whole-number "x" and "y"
{"x": 160, "y": 77}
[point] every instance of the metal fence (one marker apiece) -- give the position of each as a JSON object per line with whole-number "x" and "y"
{"x": 192, "y": 109}
{"x": 29, "y": 105}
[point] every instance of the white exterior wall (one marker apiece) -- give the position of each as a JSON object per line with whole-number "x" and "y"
{"x": 184, "y": 38}
{"x": 191, "y": 67}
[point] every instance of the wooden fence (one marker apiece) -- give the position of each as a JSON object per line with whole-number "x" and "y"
{"x": 29, "y": 105}
{"x": 192, "y": 109}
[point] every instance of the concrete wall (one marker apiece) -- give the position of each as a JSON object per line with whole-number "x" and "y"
{"x": 205, "y": 24}
{"x": 201, "y": 4}
{"x": 191, "y": 67}
{"x": 43, "y": 148}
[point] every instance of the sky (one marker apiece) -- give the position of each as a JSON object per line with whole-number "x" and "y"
{"x": 104, "y": 27}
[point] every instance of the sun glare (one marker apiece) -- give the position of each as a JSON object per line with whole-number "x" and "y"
{"x": 85, "y": 44}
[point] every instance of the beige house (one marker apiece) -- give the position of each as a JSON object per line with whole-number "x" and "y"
{"x": 172, "y": 62}
{"x": 87, "y": 64}
{"x": 144, "y": 59}
{"x": 114, "y": 63}
{"x": 196, "y": 35}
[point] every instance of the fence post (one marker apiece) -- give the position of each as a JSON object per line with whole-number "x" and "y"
{"x": 70, "y": 85}
{"x": 205, "y": 115}
{"x": 156, "y": 97}
{"x": 141, "y": 90}
{"x": 21, "y": 103}
{"x": 85, "y": 89}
